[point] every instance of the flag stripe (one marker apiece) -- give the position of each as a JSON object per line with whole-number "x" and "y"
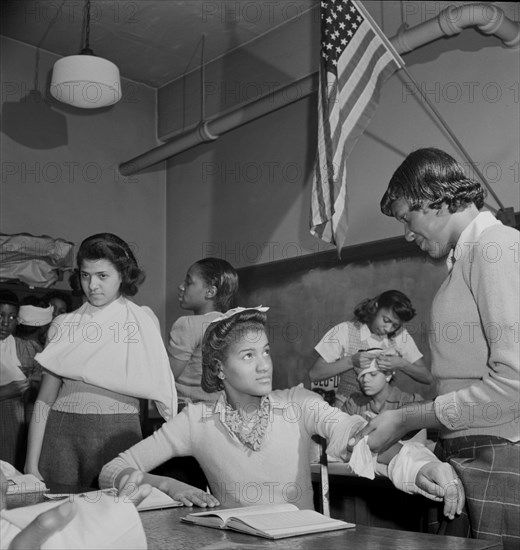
{"x": 357, "y": 59}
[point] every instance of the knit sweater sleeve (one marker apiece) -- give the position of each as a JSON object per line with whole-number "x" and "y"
{"x": 320, "y": 418}
{"x": 492, "y": 274}
{"x": 172, "y": 439}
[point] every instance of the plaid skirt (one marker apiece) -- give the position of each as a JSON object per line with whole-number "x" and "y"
{"x": 489, "y": 468}
{"x": 76, "y": 446}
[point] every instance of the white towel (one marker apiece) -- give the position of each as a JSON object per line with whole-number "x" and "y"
{"x": 362, "y": 460}
{"x": 117, "y": 347}
{"x": 106, "y": 523}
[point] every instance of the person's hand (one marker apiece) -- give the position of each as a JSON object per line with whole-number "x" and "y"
{"x": 383, "y": 431}
{"x": 15, "y": 388}
{"x": 46, "y": 524}
{"x": 390, "y": 363}
{"x": 361, "y": 360}
{"x": 189, "y": 495}
{"x": 440, "y": 481}
{"x": 132, "y": 489}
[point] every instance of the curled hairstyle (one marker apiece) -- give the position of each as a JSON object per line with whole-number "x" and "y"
{"x": 106, "y": 246}
{"x": 430, "y": 177}
{"x": 218, "y": 338}
{"x": 220, "y": 274}
{"x": 395, "y": 300}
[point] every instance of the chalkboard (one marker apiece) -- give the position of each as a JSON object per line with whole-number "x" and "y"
{"x": 310, "y": 294}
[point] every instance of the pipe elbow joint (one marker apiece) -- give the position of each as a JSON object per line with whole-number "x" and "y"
{"x": 449, "y": 21}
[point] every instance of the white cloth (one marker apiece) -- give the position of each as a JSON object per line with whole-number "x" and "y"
{"x": 362, "y": 461}
{"x": 9, "y": 363}
{"x": 405, "y": 465}
{"x": 371, "y": 368}
{"x": 35, "y": 316}
{"x": 117, "y": 347}
{"x": 104, "y": 523}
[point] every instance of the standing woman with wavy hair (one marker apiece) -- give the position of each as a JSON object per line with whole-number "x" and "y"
{"x": 98, "y": 362}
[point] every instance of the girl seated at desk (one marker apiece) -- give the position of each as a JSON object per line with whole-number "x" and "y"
{"x": 378, "y": 324}
{"x": 253, "y": 443}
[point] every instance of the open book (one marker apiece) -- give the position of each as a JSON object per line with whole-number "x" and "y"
{"x": 272, "y": 521}
{"x": 154, "y": 501}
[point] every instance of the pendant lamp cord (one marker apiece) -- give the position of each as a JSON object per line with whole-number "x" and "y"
{"x": 87, "y": 28}
{"x": 202, "y": 80}
{"x": 39, "y": 45}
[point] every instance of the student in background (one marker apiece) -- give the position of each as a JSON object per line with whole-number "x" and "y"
{"x": 60, "y": 302}
{"x": 99, "y": 361}
{"x": 253, "y": 443}
{"x": 376, "y": 394}
{"x": 13, "y": 385}
{"x": 208, "y": 290}
{"x": 440, "y": 208}
{"x": 34, "y": 318}
{"x": 378, "y": 324}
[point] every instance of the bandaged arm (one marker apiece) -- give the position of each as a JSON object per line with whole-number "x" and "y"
{"x": 405, "y": 465}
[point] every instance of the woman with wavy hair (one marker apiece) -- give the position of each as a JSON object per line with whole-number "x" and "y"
{"x": 100, "y": 360}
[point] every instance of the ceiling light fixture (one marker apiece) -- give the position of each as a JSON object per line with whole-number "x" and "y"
{"x": 85, "y": 80}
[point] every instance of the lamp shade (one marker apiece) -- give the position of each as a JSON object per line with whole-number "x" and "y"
{"x": 86, "y": 81}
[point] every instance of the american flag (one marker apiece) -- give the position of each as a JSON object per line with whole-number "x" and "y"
{"x": 356, "y": 60}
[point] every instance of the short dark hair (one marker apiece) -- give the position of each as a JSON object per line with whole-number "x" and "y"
{"x": 432, "y": 176}
{"x": 222, "y": 275}
{"x": 9, "y": 298}
{"x": 217, "y": 339}
{"x": 107, "y": 246}
{"x": 395, "y": 300}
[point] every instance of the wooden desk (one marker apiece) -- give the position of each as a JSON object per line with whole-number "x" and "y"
{"x": 373, "y": 503}
{"x": 164, "y": 530}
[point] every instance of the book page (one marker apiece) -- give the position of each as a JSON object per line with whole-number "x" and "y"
{"x": 288, "y": 523}
{"x": 209, "y": 517}
{"x": 157, "y": 499}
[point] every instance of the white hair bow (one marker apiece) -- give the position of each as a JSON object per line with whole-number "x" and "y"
{"x": 230, "y": 312}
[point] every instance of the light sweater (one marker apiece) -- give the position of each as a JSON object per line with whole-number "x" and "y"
{"x": 474, "y": 334}
{"x": 277, "y": 473}
{"x": 185, "y": 344}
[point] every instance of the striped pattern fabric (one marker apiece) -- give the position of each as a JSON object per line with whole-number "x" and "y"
{"x": 356, "y": 60}
{"x": 489, "y": 468}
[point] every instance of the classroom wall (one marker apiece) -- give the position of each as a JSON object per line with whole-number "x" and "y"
{"x": 310, "y": 295}
{"x": 74, "y": 189}
{"x": 246, "y": 196}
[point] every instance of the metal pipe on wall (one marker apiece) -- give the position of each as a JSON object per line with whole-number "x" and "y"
{"x": 488, "y": 18}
